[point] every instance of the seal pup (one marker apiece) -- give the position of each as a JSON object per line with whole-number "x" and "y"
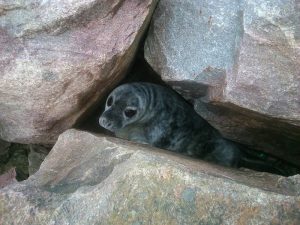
{"x": 156, "y": 115}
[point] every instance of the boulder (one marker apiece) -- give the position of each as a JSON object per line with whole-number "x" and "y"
{"x": 238, "y": 62}
{"x": 57, "y": 58}
{"x": 88, "y": 179}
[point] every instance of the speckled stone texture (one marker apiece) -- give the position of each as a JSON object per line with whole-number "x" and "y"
{"x": 88, "y": 179}
{"x": 238, "y": 62}
{"x": 58, "y": 57}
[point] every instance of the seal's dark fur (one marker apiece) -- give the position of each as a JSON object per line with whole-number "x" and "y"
{"x": 156, "y": 115}
{"x": 163, "y": 119}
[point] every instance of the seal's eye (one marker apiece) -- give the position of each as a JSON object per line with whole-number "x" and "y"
{"x": 109, "y": 101}
{"x": 130, "y": 112}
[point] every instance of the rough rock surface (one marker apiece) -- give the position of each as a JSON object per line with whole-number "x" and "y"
{"x": 57, "y": 58}
{"x": 102, "y": 180}
{"x": 239, "y": 63}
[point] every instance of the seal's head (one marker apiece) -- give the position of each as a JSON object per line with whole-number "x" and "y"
{"x": 124, "y": 106}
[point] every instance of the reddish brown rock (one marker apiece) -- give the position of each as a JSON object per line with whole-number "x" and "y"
{"x": 238, "y": 62}
{"x": 102, "y": 180}
{"x": 57, "y": 58}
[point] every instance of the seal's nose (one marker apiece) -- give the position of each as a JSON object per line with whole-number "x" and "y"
{"x": 104, "y": 123}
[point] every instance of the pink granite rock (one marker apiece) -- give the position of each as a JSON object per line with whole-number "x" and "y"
{"x": 88, "y": 179}
{"x": 57, "y": 58}
{"x": 238, "y": 62}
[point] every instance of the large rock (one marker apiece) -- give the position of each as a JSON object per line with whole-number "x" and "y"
{"x": 57, "y": 58}
{"x": 239, "y": 63}
{"x": 100, "y": 180}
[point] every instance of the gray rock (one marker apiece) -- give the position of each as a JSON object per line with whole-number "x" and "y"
{"x": 88, "y": 179}
{"x": 57, "y": 58}
{"x": 238, "y": 62}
